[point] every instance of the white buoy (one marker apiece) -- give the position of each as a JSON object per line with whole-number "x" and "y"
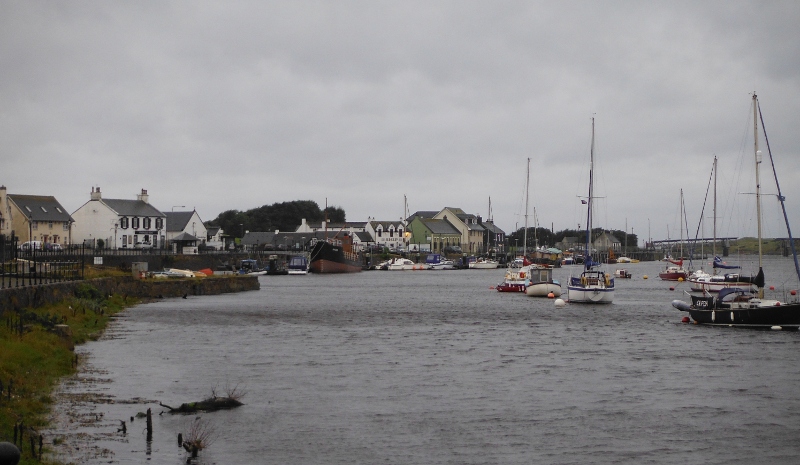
{"x": 559, "y": 303}
{"x": 776, "y": 328}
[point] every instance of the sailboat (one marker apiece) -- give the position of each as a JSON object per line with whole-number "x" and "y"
{"x": 700, "y": 280}
{"x": 516, "y": 279}
{"x": 736, "y": 306}
{"x": 676, "y": 271}
{"x": 593, "y": 285}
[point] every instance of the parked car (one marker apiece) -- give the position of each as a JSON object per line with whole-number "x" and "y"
{"x": 54, "y": 246}
{"x": 143, "y": 245}
{"x": 30, "y": 245}
{"x": 452, "y": 249}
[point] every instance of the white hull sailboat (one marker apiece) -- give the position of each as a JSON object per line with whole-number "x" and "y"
{"x": 594, "y": 285}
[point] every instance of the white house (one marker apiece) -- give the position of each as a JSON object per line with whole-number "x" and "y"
{"x": 215, "y": 238}
{"x": 388, "y": 233}
{"x": 120, "y": 223}
{"x": 186, "y": 222}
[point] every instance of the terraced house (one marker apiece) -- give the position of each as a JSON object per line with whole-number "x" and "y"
{"x": 34, "y": 218}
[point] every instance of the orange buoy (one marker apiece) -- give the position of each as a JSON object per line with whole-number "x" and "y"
{"x": 685, "y": 319}
{"x": 794, "y": 292}
{"x": 551, "y": 296}
{"x": 772, "y": 288}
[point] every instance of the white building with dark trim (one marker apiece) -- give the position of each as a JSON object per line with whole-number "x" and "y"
{"x": 120, "y": 223}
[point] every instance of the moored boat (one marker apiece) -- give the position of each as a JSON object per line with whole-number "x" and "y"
{"x": 484, "y": 264}
{"x": 515, "y": 280}
{"x": 745, "y": 308}
{"x": 435, "y": 261}
{"x": 594, "y": 285}
{"x": 404, "y": 264}
{"x": 335, "y": 255}
{"x": 297, "y": 265}
{"x": 541, "y": 282}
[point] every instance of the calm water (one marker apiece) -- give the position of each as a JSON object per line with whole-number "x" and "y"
{"x": 436, "y": 368}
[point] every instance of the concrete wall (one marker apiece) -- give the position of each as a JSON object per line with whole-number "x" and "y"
{"x": 34, "y": 296}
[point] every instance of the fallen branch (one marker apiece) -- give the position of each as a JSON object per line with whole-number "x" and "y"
{"x": 209, "y": 405}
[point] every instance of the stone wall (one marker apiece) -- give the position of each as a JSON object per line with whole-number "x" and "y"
{"x": 14, "y": 299}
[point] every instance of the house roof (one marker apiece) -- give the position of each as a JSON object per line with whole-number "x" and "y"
{"x": 421, "y": 214}
{"x": 40, "y": 207}
{"x": 211, "y": 230}
{"x": 184, "y": 236}
{"x": 385, "y": 224}
{"x": 439, "y": 226}
{"x": 177, "y": 221}
{"x": 492, "y": 227}
{"x": 126, "y": 207}
{"x": 364, "y": 236}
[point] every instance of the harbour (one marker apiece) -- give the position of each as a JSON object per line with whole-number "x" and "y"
{"x": 437, "y": 367}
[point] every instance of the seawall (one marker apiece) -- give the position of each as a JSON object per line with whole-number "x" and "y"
{"x": 14, "y": 299}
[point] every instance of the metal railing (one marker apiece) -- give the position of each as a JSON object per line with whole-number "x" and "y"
{"x": 22, "y": 265}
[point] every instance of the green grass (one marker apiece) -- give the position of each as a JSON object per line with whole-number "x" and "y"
{"x": 39, "y": 357}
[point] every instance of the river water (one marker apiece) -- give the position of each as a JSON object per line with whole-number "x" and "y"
{"x": 435, "y": 367}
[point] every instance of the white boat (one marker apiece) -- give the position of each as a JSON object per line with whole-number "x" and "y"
{"x": 403, "y": 264}
{"x": 484, "y": 264}
{"x": 436, "y": 262}
{"x": 593, "y": 285}
{"x": 541, "y": 282}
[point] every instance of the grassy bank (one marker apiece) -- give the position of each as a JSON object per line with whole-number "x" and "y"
{"x": 36, "y": 351}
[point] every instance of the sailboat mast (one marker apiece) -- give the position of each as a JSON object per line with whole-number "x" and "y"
{"x": 758, "y": 184}
{"x": 589, "y": 200}
{"x": 527, "y": 187}
{"x": 714, "y": 245}
{"x": 681, "y": 248}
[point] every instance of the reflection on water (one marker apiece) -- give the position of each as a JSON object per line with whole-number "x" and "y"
{"x": 434, "y": 367}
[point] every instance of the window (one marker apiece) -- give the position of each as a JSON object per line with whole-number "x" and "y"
{"x": 59, "y": 210}
{"x": 35, "y": 225}
{"x": 28, "y": 208}
{"x": 43, "y": 209}
{"x": 146, "y": 223}
{"x": 66, "y": 226}
{"x": 159, "y": 223}
{"x": 123, "y": 223}
{"x": 379, "y": 232}
{"x": 135, "y": 222}
{"x": 50, "y": 225}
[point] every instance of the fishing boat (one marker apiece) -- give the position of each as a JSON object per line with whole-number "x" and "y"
{"x": 297, "y": 265}
{"x": 735, "y": 306}
{"x": 515, "y": 280}
{"x": 594, "y": 285}
{"x": 541, "y": 282}
{"x": 335, "y": 255}
{"x": 622, "y": 273}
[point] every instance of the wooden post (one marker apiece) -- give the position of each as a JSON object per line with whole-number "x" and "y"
{"x": 149, "y": 426}
{"x": 180, "y": 439}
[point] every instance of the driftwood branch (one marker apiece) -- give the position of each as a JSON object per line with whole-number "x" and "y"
{"x": 209, "y": 405}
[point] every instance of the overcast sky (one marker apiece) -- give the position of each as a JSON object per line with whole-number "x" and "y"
{"x": 234, "y": 105}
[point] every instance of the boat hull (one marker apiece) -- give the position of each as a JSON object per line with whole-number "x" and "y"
{"x": 593, "y": 287}
{"x": 328, "y": 258}
{"x": 778, "y": 315}
{"x": 511, "y": 287}
{"x": 543, "y": 289}
{"x": 672, "y": 276}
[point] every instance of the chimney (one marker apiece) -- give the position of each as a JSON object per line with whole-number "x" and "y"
{"x": 143, "y": 196}
{"x": 96, "y": 194}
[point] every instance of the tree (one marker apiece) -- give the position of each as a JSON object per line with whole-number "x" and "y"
{"x": 283, "y": 216}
